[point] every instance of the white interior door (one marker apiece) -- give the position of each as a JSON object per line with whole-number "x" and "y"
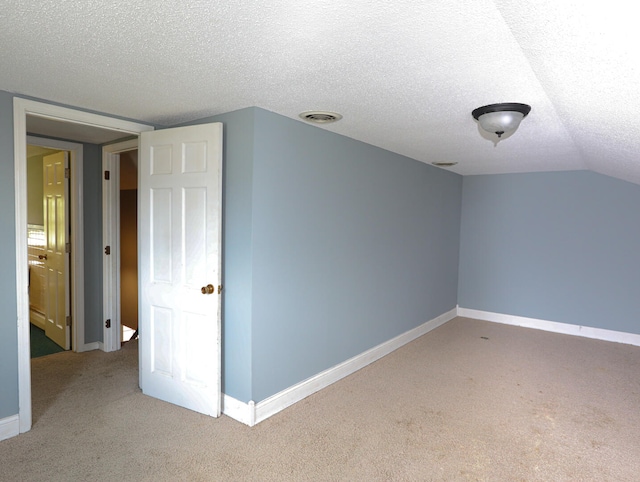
{"x": 56, "y": 256}
{"x": 180, "y": 214}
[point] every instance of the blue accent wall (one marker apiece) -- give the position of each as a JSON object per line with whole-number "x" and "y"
{"x": 562, "y": 246}
{"x": 9, "y": 316}
{"x": 237, "y": 252}
{"x": 352, "y": 246}
{"x": 93, "y": 248}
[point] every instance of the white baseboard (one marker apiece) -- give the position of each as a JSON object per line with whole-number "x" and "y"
{"x": 553, "y": 326}
{"x": 240, "y": 411}
{"x": 96, "y": 345}
{"x": 37, "y": 319}
{"x": 252, "y": 413}
{"x": 9, "y": 427}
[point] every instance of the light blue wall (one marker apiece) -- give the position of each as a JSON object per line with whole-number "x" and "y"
{"x": 561, "y": 246}
{"x": 93, "y": 249}
{"x": 9, "y": 316}
{"x": 237, "y": 254}
{"x": 352, "y": 245}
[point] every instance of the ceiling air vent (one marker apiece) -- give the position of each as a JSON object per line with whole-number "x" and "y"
{"x": 444, "y": 164}
{"x": 320, "y": 117}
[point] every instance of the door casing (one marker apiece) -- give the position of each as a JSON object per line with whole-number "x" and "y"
{"x": 111, "y": 237}
{"x": 21, "y": 109}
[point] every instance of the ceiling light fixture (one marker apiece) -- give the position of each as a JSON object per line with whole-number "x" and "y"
{"x": 501, "y": 118}
{"x": 320, "y": 116}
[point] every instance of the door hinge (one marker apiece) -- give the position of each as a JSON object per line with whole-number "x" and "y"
{"x": 67, "y": 173}
{"x": 107, "y": 175}
{"x": 107, "y": 250}
{"x": 67, "y": 248}
{"x": 68, "y": 321}
{"x": 107, "y": 323}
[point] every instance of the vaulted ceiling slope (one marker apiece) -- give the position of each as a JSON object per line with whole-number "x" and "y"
{"x": 405, "y": 74}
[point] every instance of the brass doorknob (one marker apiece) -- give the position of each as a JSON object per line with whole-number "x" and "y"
{"x": 207, "y": 290}
{"x": 42, "y": 256}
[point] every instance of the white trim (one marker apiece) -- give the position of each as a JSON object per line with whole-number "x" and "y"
{"x": 251, "y": 414}
{"x": 111, "y": 237}
{"x": 66, "y": 114}
{"x": 9, "y": 427}
{"x": 96, "y": 345}
{"x": 22, "y": 272}
{"x": 237, "y": 410}
{"x": 37, "y": 318}
{"x": 553, "y": 326}
{"x": 22, "y": 108}
{"x": 76, "y": 270}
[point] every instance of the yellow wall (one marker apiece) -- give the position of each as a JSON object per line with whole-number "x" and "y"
{"x": 35, "y": 210}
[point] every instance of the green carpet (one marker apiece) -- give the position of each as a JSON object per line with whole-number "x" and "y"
{"x": 40, "y": 344}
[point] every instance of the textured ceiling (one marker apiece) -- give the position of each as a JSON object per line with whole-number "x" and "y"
{"x": 405, "y": 74}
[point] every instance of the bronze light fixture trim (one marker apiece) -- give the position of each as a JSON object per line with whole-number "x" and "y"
{"x": 500, "y": 118}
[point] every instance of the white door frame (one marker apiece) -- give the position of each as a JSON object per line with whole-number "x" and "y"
{"x": 76, "y": 269}
{"x": 22, "y": 108}
{"x": 112, "y": 337}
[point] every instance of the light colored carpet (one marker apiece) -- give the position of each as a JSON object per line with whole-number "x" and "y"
{"x": 471, "y": 400}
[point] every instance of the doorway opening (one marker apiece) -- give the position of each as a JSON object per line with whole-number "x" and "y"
{"x": 180, "y": 252}
{"x": 61, "y": 123}
{"x": 120, "y": 238}
{"x": 129, "y": 245}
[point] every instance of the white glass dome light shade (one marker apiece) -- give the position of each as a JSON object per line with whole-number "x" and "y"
{"x": 501, "y": 118}
{"x": 500, "y": 122}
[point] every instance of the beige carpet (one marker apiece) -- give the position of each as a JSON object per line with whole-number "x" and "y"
{"x": 471, "y": 400}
